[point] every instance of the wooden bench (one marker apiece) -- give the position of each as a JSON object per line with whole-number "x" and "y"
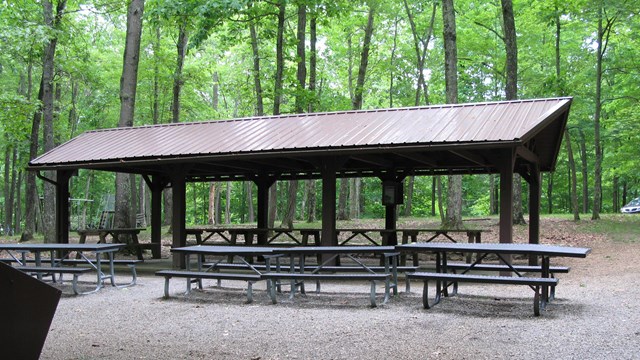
{"x": 535, "y": 283}
{"x": 49, "y": 270}
{"x": 199, "y": 275}
{"x": 519, "y": 268}
{"x": 295, "y": 277}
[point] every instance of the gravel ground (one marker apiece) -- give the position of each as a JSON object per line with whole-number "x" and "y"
{"x": 595, "y": 316}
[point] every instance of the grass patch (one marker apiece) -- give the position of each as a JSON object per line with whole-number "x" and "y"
{"x": 618, "y": 227}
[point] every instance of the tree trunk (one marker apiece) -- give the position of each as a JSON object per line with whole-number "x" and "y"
{"x": 409, "y": 196}
{"x": 364, "y": 60}
{"x": 48, "y": 69}
{"x": 156, "y": 77}
{"x": 251, "y": 211}
{"x": 511, "y": 92}
{"x": 550, "y": 193}
{"x": 453, "y": 218}
{"x": 277, "y": 93}
{"x": 583, "y": 170}
{"x": 439, "y": 191}
{"x": 31, "y": 198}
{"x": 256, "y": 68}
{"x": 8, "y": 205}
{"x": 273, "y": 204}
{"x": 227, "y": 205}
{"x": 420, "y": 46}
{"x": 128, "y": 86}
{"x": 313, "y": 62}
{"x": 301, "y": 73}
{"x": 212, "y": 203}
{"x": 311, "y": 200}
{"x": 602, "y": 41}
{"x": 300, "y": 105}
{"x": 354, "y": 198}
{"x": 342, "y": 199}
{"x": 391, "y": 58}
{"x": 181, "y": 47}
{"x": 290, "y": 215}
{"x": 17, "y": 226}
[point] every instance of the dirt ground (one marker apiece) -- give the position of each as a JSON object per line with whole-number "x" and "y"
{"x": 595, "y": 316}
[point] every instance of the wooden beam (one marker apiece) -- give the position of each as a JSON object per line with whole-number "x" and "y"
{"x": 527, "y": 154}
{"x": 476, "y": 159}
{"x": 534, "y": 210}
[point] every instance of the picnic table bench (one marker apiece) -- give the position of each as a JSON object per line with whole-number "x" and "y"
{"x": 52, "y": 271}
{"x": 540, "y": 285}
{"x": 58, "y": 253}
{"x": 536, "y": 285}
{"x": 202, "y": 272}
{"x": 115, "y": 233}
{"x": 130, "y": 263}
{"x": 168, "y": 274}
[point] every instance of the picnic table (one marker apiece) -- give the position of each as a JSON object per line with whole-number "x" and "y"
{"x": 225, "y": 252}
{"x": 541, "y": 285}
{"x": 59, "y": 253}
{"x": 115, "y": 233}
{"x": 298, "y": 271}
{"x": 473, "y": 236}
{"x": 231, "y": 235}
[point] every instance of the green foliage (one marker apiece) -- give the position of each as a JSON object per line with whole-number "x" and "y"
{"x": 89, "y": 60}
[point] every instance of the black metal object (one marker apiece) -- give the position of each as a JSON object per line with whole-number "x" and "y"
{"x": 30, "y": 305}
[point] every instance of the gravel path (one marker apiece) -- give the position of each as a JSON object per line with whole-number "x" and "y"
{"x": 595, "y": 316}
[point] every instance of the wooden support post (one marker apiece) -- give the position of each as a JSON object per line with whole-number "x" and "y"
{"x": 62, "y": 205}
{"x": 506, "y": 163}
{"x": 329, "y": 237}
{"x": 178, "y": 227}
{"x": 263, "y": 184}
{"x": 534, "y": 210}
{"x": 156, "y": 185}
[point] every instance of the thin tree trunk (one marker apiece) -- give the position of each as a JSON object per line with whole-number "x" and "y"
{"x": 48, "y": 69}
{"x": 178, "y": 81}
{"x": 421, "y": 53}
{"x": 256, "y": 68}
{"x": 156, "y": 77}
{"x": 277, "y": 93}
{"x": 583, "y": 170}
{"x": 342, "y": 199}
{"x": 227, "y": 205}
{"x": 364, "y": 59}
{"x": 453, "y": 218}
{"x": 251, "y": 211}
{"x": 602, "y": 41}
{"x": 128, "y": 85}
{"x": 409, "y": 196}
{"x": 511, "y": 92}
{"x": 574, "y": 178}
{"x": 17, "y": 226}
{"x": 212, "y": 203}
{"x": 440, "y": 200}
{"x": 550, "y": 193}
{"x": 311, "y": 200}
{"x": 289, "y": 218}
{"x": 31, "y": 196}
{"x": 8, "y": 204}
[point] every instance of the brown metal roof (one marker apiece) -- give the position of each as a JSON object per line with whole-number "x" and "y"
{"x": 385, "y": 138}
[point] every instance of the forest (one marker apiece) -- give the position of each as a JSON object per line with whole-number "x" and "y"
{"x": 70, "y": 66}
